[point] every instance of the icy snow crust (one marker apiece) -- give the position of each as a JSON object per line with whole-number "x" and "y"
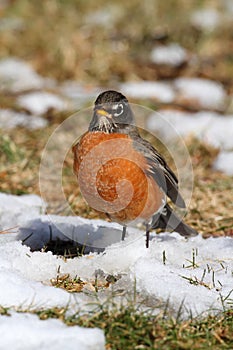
{"x": 41, "y": 102}
{"x": 16, "y": 75}
{"x": 24, "y": 331}
{"x": 196, "y": 272}
{"x": 224, "y": 162}
{"x": 10, "y": 119}
{"x": 171, "y": 55}
{"x": 210, "y": 127}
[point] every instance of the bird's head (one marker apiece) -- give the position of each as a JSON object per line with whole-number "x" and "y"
{"x": 112, "y": 113}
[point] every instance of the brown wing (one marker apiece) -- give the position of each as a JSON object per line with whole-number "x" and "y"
{"x": 160, "y": 171}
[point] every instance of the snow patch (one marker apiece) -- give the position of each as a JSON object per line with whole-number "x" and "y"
{"x": 173, "y": 281}
{"x": 224, "y": 162}
{"x": 207, "y": 93}
{"x": 228, "y": 5}
{"x": 11, "y": 23}
{"x": 206, "y": 19}
{"x": 26, "y": 331}
{"x": 10, "y": 119}
{"x": 16, "y": 76}
{"x": 149, "y": 89}
{"x": 106, "y": 16}
{"x": 209, "y": 127}
{"x": 183, "y": 123}
{"x": 172, "y": 55}
{"x": 78, "y": 93}
{"x": 41, "y": 102}
{"x": 16, "y": 210}
{"x": 219, "y": 134}
{"x": 22, "y": 271}
{"x": 25, "y": 275}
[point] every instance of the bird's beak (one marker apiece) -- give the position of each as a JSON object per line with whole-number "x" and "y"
{"x": 101, "y": 112}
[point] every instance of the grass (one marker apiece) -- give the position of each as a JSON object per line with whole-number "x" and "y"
{"x": 128, "y": 328}
{"x": 77, "y": 285}
{"x": 70, "y": 45}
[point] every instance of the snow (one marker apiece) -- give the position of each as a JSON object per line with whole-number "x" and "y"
{"x": 106, "y": 16}
{"x": 206, "y": 19}
{"x": 170, "y": 281}
{"x": 19, "y": 291}
{"x": 171, "y": 55}
{"x": 149, "y": 89}
{"x": 10, "y": 119}
{"x": 41, "y": 102}
{"x": 22, "y": 272}
{"x": 224, "y": 162}
{"x": 228, "y": 6}
{"x": 16, "y": 210}
{"x": 206, "y": 93}
{"x": 16, "y": 76}
{"x": 8, "y": 23}
{"x": 25, "y": 331}
{"x": 210, "y": 127}
{"x": 184, "y": 123}
{"x": 25, "y": 275}
{"x": 78, "y": 93}
{"x": 220, "y": 133}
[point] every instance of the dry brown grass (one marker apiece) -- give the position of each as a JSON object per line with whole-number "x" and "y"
{"x": 61, "y": 40}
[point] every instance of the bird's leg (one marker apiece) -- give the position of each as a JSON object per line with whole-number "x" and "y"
{"x": 123, "y": 233}
{"x": 147, "y": 235}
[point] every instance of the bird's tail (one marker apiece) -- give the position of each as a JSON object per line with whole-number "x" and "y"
{"x": 169, "y": 220}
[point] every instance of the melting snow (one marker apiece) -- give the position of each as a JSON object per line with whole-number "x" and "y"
{"x": 224, "y": 162}
{"x": 106, "y": 16}
{"x": 41, "y": 102}
{"x": 16, "y": 76}
{"x": 25, "y": 275}
{"x": 205, "y": 19}
{"x": 25, "y": 331}
{"x": 206, "y": 93}
{"x": 79, "y": 94}
{"x": 210, "y": 127}
{"x": 16, "y": 210}
{"x": 228, "y": 5}
{"x": 9, "y": 23}
{"x": 171, "y": 55}
{"x": 10, "y": 119}
{"x": 149, "y": 89}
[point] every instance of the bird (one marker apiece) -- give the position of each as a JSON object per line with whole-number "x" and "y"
{"x": 122, "y": 174}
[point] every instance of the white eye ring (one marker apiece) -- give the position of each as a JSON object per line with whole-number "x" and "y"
{"x": 119, "y": 108}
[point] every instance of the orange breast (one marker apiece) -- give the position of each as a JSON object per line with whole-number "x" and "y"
{"x": 112, "y": 177}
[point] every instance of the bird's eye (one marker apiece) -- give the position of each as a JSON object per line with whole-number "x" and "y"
{"x": 118, "y": 109}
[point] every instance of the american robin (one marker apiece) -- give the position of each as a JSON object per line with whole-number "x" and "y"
{"x": 122, "y": 174}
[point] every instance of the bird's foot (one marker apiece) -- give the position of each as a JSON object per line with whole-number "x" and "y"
{"x": 123, "y": 233}
{"x": 147, "y": 236}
